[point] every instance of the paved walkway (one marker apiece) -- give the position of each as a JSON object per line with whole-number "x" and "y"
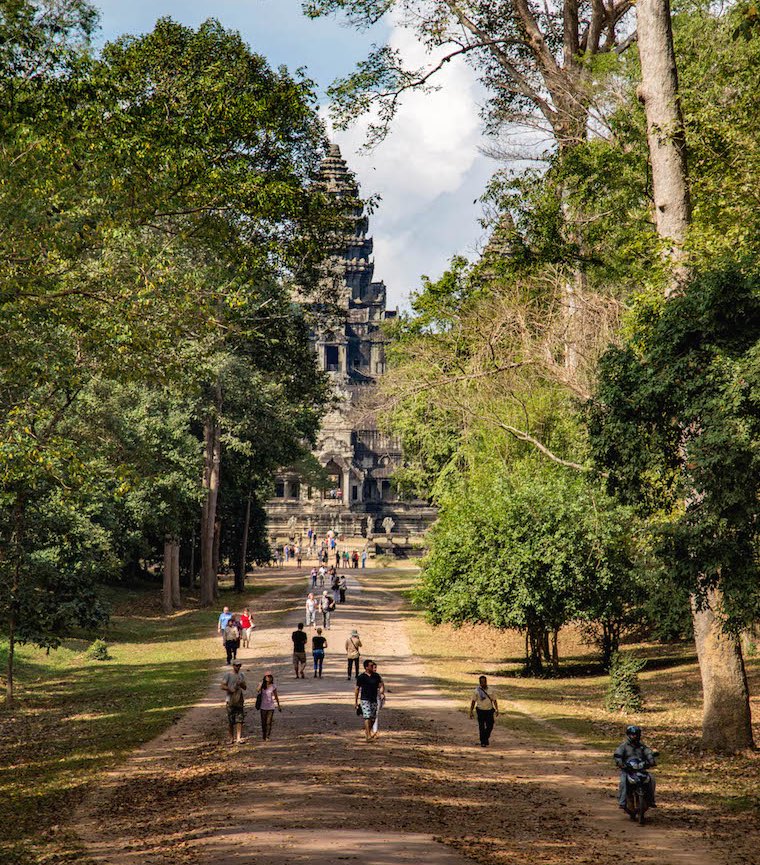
{"x": 425, "y": 792}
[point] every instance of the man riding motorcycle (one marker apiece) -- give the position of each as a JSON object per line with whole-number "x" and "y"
{"x": 633, "y": 748}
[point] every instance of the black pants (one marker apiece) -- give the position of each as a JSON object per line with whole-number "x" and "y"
{"x": 485, "y": 724}
{"x": 350, "y": 662}
{"x": 342, "y": 596}
{"x": 231, "y": 646}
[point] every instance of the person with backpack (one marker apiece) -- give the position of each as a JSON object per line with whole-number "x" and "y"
{"x": 327, "y": 607}
{"x": 487, "y": 708}
{"x": 353, "y": 644}
{"x": 318, "y": 646}
{"x": 342, "y": 586}
{"x": 234, "y": 685}
{"x": 232, "y": 639}
{"x": 299, "y": 639}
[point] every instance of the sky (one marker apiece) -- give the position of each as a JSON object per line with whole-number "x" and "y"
{"x": 428, "y": 173}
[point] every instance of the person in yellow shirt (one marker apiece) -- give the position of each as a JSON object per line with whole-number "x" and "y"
{"x": 487, "y": 709}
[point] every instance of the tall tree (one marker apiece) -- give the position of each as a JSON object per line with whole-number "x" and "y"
{"x": 726, "y": 723}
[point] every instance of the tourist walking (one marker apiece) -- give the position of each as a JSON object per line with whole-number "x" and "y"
{"x": 224, "y": 617}
{"x": 353, "y": 644}
{"x": 314, "y": 578}
{"x": 487, "y": 709}
{"x": 327, "y": 607}
{"x": 318, "y": 646}
{"x": 298, "y": 557}
{"x": 354, "y": 559}
{"x": 311, "y": 611}
{"x": 299, "y": 650}
{"x": 234, "y": 685}
{"x": 322, "y": 572}
{"x": 364, "y": 558}
{"x": 337, "y": 557}
{"x": 267, "y": 692}
{"x": 232, "y": 639}
{"x": 342, "y": 586}
{"x": 370, "y": 688}
{"x": 246, "y": 626}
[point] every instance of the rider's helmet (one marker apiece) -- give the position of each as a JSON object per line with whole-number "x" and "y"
{"x": 634, "y": 734}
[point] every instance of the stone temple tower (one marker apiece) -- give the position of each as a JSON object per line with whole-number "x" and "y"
{"x": 358, "y": 458}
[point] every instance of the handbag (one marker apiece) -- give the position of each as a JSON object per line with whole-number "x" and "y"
{"x": 358, "y": 711}
{"x": 258, "y": 700}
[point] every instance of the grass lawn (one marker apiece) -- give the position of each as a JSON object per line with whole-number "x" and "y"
{"x": 720, "y": 792}
{"x": 76, "y": 717}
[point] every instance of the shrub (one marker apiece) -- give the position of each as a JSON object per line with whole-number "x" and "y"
{"x": 98, "y": 651}
{"x": 624, "y": 691}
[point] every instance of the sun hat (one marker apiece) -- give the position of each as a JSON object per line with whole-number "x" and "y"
{"x": 236, "y": 662}
{"x": 354, "y": 633}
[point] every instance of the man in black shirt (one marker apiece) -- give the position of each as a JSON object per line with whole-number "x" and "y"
{"x": 299, "y": 651}
{"x": 369, "y": 689}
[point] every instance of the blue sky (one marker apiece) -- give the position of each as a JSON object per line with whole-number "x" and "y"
{"x": 427, "y": 173}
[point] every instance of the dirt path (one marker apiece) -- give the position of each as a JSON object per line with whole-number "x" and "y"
{"x": 426, "y": 792}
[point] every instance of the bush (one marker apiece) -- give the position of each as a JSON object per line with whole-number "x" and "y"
{"x": 624, "y": 691}
{"x": 98, "y": 651}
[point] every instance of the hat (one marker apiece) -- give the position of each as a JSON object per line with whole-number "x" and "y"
{"x": 236, "y": 662}
{"x": 354, "y": 633}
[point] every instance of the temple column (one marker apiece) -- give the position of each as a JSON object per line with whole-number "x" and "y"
{"x": 342, "y": 358}
{"x": 347, "y": 487}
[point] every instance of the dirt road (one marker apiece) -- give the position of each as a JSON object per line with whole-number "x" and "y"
{"x": 317, "y": 793}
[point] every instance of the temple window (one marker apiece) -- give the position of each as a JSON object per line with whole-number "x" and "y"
{"x": 294, "y": 489}
{"x": 332, "y": 358}
{"x": 279, "y": 489}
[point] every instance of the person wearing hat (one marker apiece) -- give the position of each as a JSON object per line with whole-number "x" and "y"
{"x": 353, "y": 644}
{"x": 234, "y": 685}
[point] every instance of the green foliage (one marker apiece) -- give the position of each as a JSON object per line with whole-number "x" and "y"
{"x": 624, "y": 691}
{"x": 98, "y": 651}
{"x": 157, "y": 203}
{"x": 531, "y": 548}
{"x": 677, "y": 420}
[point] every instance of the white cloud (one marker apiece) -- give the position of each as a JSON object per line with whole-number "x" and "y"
{"x": 427, "y": 171}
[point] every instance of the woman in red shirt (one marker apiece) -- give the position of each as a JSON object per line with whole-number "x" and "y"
{"x": 246, "y": 625}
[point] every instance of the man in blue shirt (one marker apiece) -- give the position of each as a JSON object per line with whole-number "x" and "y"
{"x": 224, "y": 617}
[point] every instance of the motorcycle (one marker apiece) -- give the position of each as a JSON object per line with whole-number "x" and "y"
{"x": 638, "y": 784}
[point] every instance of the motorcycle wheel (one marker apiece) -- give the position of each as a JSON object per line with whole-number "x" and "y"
{"x": 641, "y": 808}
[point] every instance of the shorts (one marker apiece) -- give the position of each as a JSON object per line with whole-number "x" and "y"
{"x": 235, "y": 714}
{"x": 369, "y": 710}
{"x": 246, "y": 635}
{"x": 299, "y": 657}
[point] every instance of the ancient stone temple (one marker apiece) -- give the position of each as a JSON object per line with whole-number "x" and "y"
{"x": 360, "y": 504}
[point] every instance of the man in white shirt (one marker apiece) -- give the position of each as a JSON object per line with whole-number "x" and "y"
{"x": 487, "y": 708}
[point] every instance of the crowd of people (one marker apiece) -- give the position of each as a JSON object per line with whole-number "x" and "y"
{"x": 235, "y": 631}
{"x": 323, "y": 550}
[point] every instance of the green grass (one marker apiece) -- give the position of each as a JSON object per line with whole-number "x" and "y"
{"x": 77, "y": 717}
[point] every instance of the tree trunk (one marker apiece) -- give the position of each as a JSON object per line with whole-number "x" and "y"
{"x": 211, "y": 456}
{"x": 191, "y": 574}
{"x": 216, "y": 556}
{"x": 241, "y": 568}
{"x": 9, "y": 695}
{"x": 555, "y": 652}
{"x": 176, "y": 596}
{"x": 166, "y": 600}
{"x": 727, "y": 720}
{"x": 726, "y": 715}
{"x": 666, "y": 136}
